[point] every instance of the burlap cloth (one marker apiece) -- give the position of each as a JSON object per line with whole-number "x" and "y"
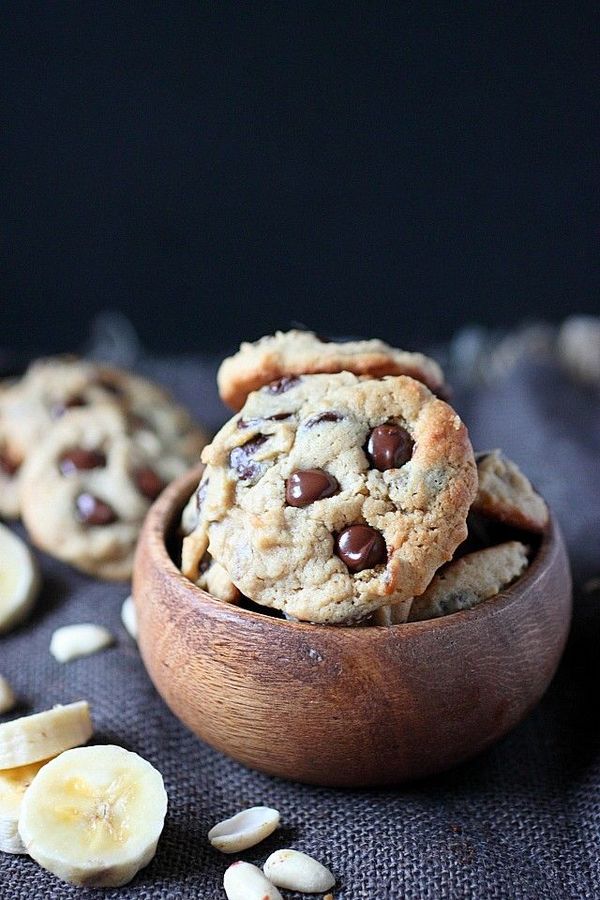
{"x": 520, "y": 821}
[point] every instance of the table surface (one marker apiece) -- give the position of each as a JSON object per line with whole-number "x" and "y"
{"x": 520, "y": 821}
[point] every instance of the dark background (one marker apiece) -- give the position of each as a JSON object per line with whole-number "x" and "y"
{"x": 217, "y": 170}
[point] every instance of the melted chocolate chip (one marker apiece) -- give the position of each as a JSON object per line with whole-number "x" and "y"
{"x": 78, "y": 459}
{"x": 329, "y": 415}
{"x": 252, "y": 423}
{"x": 148, "y": 482}
{"x": 240, "y": 458}
{"x": 7, "y": 465}
{"x": 389, "y": 447}
{"x": 360, "y": 547}
{"x": 59, "y": 409}
{"x": 283, "y": 384}
{"x": 305, "y": 486}
{"x": 93, "y": 511}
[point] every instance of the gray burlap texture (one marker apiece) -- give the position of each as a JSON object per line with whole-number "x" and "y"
{"x": 520, "y": 821}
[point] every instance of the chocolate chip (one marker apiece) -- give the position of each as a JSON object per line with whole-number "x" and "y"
{"x": 360, "y": 547}
{"x": 240, "y": 458}
{"x": 201, "y": 494}
{"x": 329, "y": 415}
{"x": 59, "y": 409}
{"x": 148, "y": 482}
{"x": 7, "y": 465}
{"x": 107, "y": 383}
{"x": 138, "y": 423}
{"x": 389, "y": 447}
{"x": 304, "y": 486}
{"x": 78, "y": 459}
{"x": 283, "y": 384}
{"x": 252, "y": 423}
{"x": 93, "y": 511}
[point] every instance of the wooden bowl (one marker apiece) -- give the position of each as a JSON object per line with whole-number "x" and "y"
{"x": 343, "y": 706}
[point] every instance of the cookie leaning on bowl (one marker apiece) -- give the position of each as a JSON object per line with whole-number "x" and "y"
{"x": 334, "y": 495}
{"x": 289, "y": 354}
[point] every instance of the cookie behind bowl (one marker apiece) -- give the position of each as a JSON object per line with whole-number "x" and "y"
{"x": 86, "y": 488}
{"x": 292, "y": 353}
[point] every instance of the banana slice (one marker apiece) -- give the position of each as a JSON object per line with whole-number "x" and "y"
{"x": 19, "y": 580}
{"x": 32, "y": 738}
{"x": 13, "y": 784}
{"x": 93, "y": 816}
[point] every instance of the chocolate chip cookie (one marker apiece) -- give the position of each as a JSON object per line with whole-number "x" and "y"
{"x": 330, "y": 496}
{"x": 197, "y": 564}
{"x": 505, "y": 494}
{"x": 467, "y": 581}
{"x": 30, "y": 407}
{"x": 86, "y": 488}
{"x": 292, "y": 353}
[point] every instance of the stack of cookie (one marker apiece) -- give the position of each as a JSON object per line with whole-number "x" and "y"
{"x": 84, "y": 450}
{"x": 341, "y": 490}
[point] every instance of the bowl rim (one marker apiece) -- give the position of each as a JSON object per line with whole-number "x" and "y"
{"x": 162, "y": 516}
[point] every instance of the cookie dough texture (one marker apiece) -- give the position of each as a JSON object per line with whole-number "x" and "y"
{"x": 467, "y": 581}
{"x": 51, "y": 387}
{"x": 197, "y": 564}
{"x": 49, "y": 494}
{"x": 302, "y": 352}
{"x": 284, "y": 556}
{"x": 506, "y": 494}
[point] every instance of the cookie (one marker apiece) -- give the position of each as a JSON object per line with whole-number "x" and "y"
{"x": 198, "y": 564}
{"x": 505, "y": 494}
{"x": 293, "y": 353}
{"x": 86, "y": 488}
{"x": 30, "y": 407}
{"x": 331, "y": 495}
{"x": 467, "y": 581}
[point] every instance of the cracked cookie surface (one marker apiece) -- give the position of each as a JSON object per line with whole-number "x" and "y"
{"x": 330, "y": 495}
{"x": 295, "y": 352}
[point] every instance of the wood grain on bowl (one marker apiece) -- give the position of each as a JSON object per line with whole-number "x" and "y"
{"x": 343, "y": 706}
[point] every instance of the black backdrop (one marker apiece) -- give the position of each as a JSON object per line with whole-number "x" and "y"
{"x": 216, "y": 170}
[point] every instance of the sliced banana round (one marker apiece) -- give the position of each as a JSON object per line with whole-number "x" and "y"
{"x": 93, "y": 816}
{"x": 8, "y": 699}
{"x": 32, "y": 738}
{"x": 13, "y": 784}
{"x": 72, "y": 641}
{"x": 19, "y": 580}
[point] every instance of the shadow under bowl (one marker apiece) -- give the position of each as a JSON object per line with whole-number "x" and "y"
{"x": 346, "y": 706}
